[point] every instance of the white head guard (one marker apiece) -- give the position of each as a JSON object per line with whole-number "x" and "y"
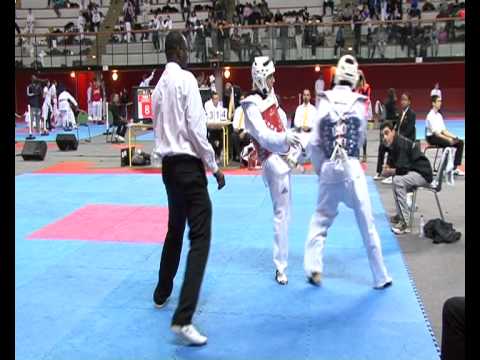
{"x": 347, "y": 70}
{"x": 262, "y": 67}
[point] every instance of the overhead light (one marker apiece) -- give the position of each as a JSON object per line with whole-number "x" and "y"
{"x": 317, "y": 68}
{"x": 94, "y": 56}
{"x": 350, "y": 48}
{"x": 72, "y": 74}
{"x": 115, "y": 76}
{"x": 226, "y": 73}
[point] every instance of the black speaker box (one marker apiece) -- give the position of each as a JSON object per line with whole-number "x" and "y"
{"x": 124, "y": 161}
{"x": 67, "y": 142}
{"x": 34, "y": 150}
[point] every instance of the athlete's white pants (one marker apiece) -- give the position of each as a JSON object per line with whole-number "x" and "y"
{"x": 353, "y": 192}
{"x": 46, "y": 108}
{"x": 279, "y": 186}
{"x": 96, "y": 110}
{"x": 66, "y": 118}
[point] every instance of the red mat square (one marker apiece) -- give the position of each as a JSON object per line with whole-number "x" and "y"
{"x": 121, "y": 223}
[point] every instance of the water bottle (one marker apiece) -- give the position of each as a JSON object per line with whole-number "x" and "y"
{"x": 422, "y": 226}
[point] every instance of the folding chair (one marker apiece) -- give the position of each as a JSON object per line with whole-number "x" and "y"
{"x": 82, "y": 120}
{"x": 435, "y": 187}
{"x": 433, "y": 147}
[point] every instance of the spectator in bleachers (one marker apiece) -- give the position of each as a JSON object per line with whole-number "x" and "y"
{"x": 305, "y": 14}
{"x": 372, "y": 9}
{"x": 96, "y": 19}
{"x": 236, "y": 43}
{"x": 339, "y": 41}
{"x": 437, "y": 134}
{"x": 434, "y": 40}
{"x": 283, "y": 35}
{"x": 200, "y": 42}
{"x": 357, "y": 30}
{"x": 166, "y": 26}
{"x": 328, "y": 4}
{"x": 81, "y": 25}
{"x": 30, "y": 25}
{"x": 299, "y": 31}
{"x": 428, "y": 6}
{"x": 128, "y": 18}
{"x": 381, "y": 40}
{"x": 157, "y": 27}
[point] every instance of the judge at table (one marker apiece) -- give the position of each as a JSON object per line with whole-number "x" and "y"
{"x": 215, "y": 113}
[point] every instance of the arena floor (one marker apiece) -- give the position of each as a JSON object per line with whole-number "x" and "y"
{"x": 84, "y": 282}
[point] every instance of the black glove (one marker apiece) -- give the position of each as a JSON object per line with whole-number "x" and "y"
{"x": 220, "y": 179}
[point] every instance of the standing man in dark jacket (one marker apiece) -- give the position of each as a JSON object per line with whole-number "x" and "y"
{"x": 391, "y": 113}
{"x": 34, "y": 94}
{"x": 406, "y": 125}
{"x": 409, "y": 168}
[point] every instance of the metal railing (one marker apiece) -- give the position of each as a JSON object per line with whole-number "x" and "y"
{"x": 310, "y": 42}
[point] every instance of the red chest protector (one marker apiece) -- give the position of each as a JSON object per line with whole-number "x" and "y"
{"x": 96, "y": 94}
{"x": 273, "y": 122}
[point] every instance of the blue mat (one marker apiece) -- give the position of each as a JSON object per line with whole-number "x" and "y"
{"x": 148, "y": 136}
{"x": 93, "y": 300}
{"x": 21, "y": 132}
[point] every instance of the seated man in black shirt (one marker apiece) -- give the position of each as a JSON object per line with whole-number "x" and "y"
{"x": 118, "y": 120}
{"x": 409, "y": 168}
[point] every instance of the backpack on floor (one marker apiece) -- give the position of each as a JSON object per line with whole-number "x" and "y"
{"x": 441, "y": 232}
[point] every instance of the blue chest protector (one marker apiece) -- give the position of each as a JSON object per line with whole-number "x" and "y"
{"x": 344, "y": 132}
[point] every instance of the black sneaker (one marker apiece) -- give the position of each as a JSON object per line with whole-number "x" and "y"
{"x": 315, "y": 279}
{"x": 158, "y": 301}
{"x": 384, "y": 286}
{"x": 401, "y": 228}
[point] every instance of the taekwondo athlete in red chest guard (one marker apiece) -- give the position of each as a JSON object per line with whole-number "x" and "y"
{"x": 266, "y": 122}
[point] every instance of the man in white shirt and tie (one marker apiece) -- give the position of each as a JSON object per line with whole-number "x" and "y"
{"x": 305, "y": 114}
{"x": 181, "y": 141}
{"x": 215, "y": 113}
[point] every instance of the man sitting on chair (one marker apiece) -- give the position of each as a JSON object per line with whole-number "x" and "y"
{"x": 215, "y": 113}
{"x": 437, "y": 134}
{"x": 409, "y": 167}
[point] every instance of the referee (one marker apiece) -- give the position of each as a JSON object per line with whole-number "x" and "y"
{"x": 181, "y": 141}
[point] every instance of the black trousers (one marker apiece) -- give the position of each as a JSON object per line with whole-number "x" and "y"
{"x": 214, "y": 135}
{"x": 435, "y": 140}
{"x": 239, "y": 144}
{"x": 453, "y": 329}
{"x": 188, "y": 200}
{"x": 121, "y": 128}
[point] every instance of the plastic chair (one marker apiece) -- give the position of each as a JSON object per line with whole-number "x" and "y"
{"x": 435, "y": 187}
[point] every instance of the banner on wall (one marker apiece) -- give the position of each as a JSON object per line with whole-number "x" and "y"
{"x": 143, "y": 103}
